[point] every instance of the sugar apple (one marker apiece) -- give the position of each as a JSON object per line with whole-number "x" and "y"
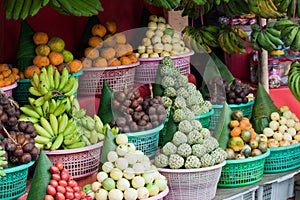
{"x": 184, "y": 150}
{"x": 179, "y": 102}
{"x": 205, "y": 132}
{"x": 207, "y": 104}
{"x": 167, "y": 81}
{"x": 167, "y": 102}
{"x": 182, "y": 92}
{"x": 198, "y": 150}
{"x": 169, "y": 148}
{"x": 207, "y": 160}
{"x": 165, "y": 70}
{"x": 170, "y": 92}
{"x": 219, "y": 154}
{"x": 161, "y": 161}
{"x": 188, "y": 114}
{"x": 191, "y": 100}
{"x": 197, "y": 109}
{"x": 178, "y": 115}
{"x": 179, "y": 138}
{"x": 210, "y": 143}
{"x": 192, "y": 162}
{"x": 191, "y": 87}
{"x": 176, "y": 161}
{"x": 185, "y": 126}
{"x": 167, "y": 61}
{"x": 195, "y": 137}
{"x": 181, "y": 81}
{"x": 196, "y": 124}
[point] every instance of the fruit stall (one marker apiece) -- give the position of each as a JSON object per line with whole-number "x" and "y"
{"x": 162, "y": 99}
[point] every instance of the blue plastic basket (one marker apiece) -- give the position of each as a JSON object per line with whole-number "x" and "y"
{"x": 13, "y": 185}
{"x": 146, "y": 141}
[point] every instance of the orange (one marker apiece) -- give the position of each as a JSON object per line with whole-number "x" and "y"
{"x": 56, "y": 58}
{"x": 40, "y": 38}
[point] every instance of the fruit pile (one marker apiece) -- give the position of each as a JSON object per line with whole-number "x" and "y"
{"x": 235, "y": 93}
{"x": 3, "y": 159}
{"x": 161, "y": 40}
{"x": 243, "y": 141}
{"x": 128, "y": 174}
{"x": 8, "y": 75}
{"x": 283, "y": 129}
{"x": 136, "y": 113}
{"x": 62, "y": 185}
{"x": 191, "y": 147}
{"x": 51, "y": 51}
{"x": 178, "y": 94}
{"x": 106, "y": 47}
{"x": 294, "y": 78}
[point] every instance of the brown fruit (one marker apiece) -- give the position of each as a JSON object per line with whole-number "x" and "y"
{"x": 61, "y": 66}
{"x": 256, "y": 152}
{"x": 25, "y": 158}
{"x": 238, "y": 115}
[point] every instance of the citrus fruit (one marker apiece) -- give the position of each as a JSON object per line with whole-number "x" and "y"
{"x": 40, "y": 38}
{"x": 42, "y": 49}
{"x": 68, "y": 56}
{"x": 56, "y": 44}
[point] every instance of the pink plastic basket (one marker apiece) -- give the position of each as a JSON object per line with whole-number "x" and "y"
{"x": 200, "y": 184}
{"x": 145, "y": 73}
{"x": 80, "y": 162}
{"x": 8, "y": 89}
{"x": 91, "y": 82}
{"x": 160, "y": 195}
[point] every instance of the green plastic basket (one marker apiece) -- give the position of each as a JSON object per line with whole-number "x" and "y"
{"x": 283, "y": 159}
{"x": 146, "y": 141}
{"x": 13, "y": 185}
{"x": 245, "y": 108}
{"x": 21, "y": 94}
{"x": 239, "y": 173}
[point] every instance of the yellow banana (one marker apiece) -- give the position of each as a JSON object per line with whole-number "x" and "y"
{"x": 71, "y": 128}
{"x": 59, "y": 110}
{"x": 75, "y": 145}
{"x": 73, "y": 89}
{"x": 98, "y": 124}
{"x": 46, "y": 125}
{"x": 42, "y": 132}
{"x": 50, "y": 77}
{"x": 39, "y": 109}
{"x": 63, "y": 124}
{"x": 64, "y": 79}
{"x": 56, "y": 79}
{"x": 54, "y": 124}
{"x": 29, "y": 112}
{"x": 57, "y": 142}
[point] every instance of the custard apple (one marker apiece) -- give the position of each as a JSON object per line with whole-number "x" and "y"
{"x": 175, "y": 161}
{"x": 184, "y": 150}
{"x": 192, "y": 162}
{"x": 179, "y": 138}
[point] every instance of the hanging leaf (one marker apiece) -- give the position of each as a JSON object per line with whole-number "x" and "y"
{"x": 157, "y": 88}
{"x": 223, "y": 69}
{"x": 41, "y": 178}
{"x": 171, "y": 129}
{"x": 26, "y": 47}
{"x": 221, "y": 133}
{"x": 105, "y": 110}
{"x": 109, "y": 145}
{"x": 167, "y": 4}
{"x": 262, "y": 109}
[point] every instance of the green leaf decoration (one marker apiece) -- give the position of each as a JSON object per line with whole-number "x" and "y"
{"x": 105, "y": 110}
{"x": 222, "y": 131}
{"x": 262, "y": 109}
{"x": 26, "y": 47}
{"x": 108, "y": 145}
{"x": 167, "y": 4}
{"x": 171, "y": 128}
{"x": 157, "y": 88}
{"x": 223, "y": 69}
{"x": 87, "y": 32}
{"x": 41, "y": 178}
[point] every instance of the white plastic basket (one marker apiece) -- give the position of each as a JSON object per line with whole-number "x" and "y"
{"x": 188, "y": 184}
{"x": 160, "y": 195}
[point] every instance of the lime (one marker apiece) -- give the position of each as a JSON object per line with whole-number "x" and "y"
{"x": 56, "y": 44}
{"x": 68, "y": 56}
{"x": 42, "y": 50}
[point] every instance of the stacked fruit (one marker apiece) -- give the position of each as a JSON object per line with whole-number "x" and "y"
{"x": 128, "y": 174}
{"x": 161, "y": 40}
{"x": 178, "y": 94}
{"x": 265, "y": 9}
{"x": 62, "y": 185}
{"x": 137, "y": 113}
{"x": 51, "y": 51}
{"x": 294, "y": 79}
{"x": 243, "y": 141}
{"x": 231, "y": 39}
{"x": 283, "y": 129}
{"x": 221, "y": 91}
{"x": 17, "y": 138}
{"x": 106, "y": 47}
{"x": 8, "y": 75}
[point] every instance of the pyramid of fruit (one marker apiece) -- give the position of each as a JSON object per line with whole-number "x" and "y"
{"x": 8, "y": 75}
{"x": 161, "y": 40}
{"x": 106, "y": 47}
{"x": 128, "y": 174}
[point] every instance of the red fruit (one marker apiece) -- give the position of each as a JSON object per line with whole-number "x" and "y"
{"x": 59, "y": 196}
{"x": 72, "y": 183}
{"x": 51, "y": 190}
{"x": 69, "y": 189}
{"x": 56, "y": 177}
{"x": 64, "y": 175}
{"x": 54, "y": 170}
{"x": 87, "y": 197}
{"x": 76, "y": 189}
{"x": 59, "y": 165}
{"x": 192, "y": 79}
{"x": 61, "y": 189}
{"x": 53, "y": 182}
{"x": 48, "y": 197}
{"x": 69, "y": 195}
{"x": 63, "y": 183}
{"x": 77, "y": 195}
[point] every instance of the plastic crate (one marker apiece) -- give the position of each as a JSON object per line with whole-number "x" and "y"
{"x": 146, "y": 72}
{"x": 146, "y": 141}
{"x": 91, "y": 82}
{"x": 21, "y": 93}
{"x": 13, "y": 185}
{"x": 188, "y": 184}
{"x": 243, "y": 172}
{"x": 8, "y": 89}
{"x": 250, "y": 194}
{"x": 245, "y": 108}
{"x": 283, "y": 159}
{"x": 80, "y": 162}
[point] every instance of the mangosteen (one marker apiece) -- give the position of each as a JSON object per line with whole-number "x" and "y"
{"x": 135, "y": 103}
{"x": 22, "y": 125}
{"x": 120, "y": 96}
{"x": 121, "y": 121}
{"x": 231, "y": 95}
{"x": 133, "y": 127}
{"x": 245, "y": 100}
{"x": 238, "y": 100}
{"x": 25, "y": 158}
{"x": 238, "y": 90}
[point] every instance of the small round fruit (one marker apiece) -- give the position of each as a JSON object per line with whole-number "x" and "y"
{"x": 121, "y": 139}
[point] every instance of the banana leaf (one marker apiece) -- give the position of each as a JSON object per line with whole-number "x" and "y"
{"x": 87, "y": 32}
{"x": 105, "y": 111}
{"x": 41, "y": 178}
{"x": 171, "y": 129}
{"x": 157, "y": 88}
{"x": 221, "y": 133}
{"x": 108, "y": 145}
{"x": 262, "y": 109}
{"x": 26, "y": 47}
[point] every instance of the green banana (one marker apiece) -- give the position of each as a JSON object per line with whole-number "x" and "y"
{"x": 39, "y": 109}
{"x": 59, "y": 109}
{"x": 283, "y": 6}
{"x": 71, "y": 128}
{"x": 74, "y": 89}
{"x": 275, "y": 40}
{"x": 45, "y": 2}
{"x": 50, "y": 77}
{"x": 42, "y": 132}
{"x": 274, "y": 32}
{"x": 286, "y": 31}
{"x": 27, "y": 118}
{"x": 291, "y": 36}
{"x": 253, "y": 40}
{"x": 264, "y": 42}
{"x": 295, "y": 46}
{"x": 98, "y": 124}
{"x": 71, "y": 139}
{"x": 54, "y": 123}
{"x": 78, "y": 113}
{"x": 52, "y": 105}
{"x": 75, "y": 145}
{"x": 17, "y": 9}
{"x": 34, "y": 91}
{"x": 46, "y": 125}
{"x": 35, "y": 7}
{"x": 57, "y": 142}
{"x": 43, "y": 88}
{"x": 56, "y": 79}
{"x": 9, "y": 7}
{"x": 63, "y": 124}
{"x": 42, "y": 140}
{"x": 69, "y": 84}
{"x": 236, "y": 43}
{"x": 39, "y": 102}
{"x": 85, "y": 140}
{"x": 25, "y": 10}
{"x": 46, "y": 108}
{"x": 283, "y": 23}
{"x": 64, "y": 79}
{"x": 30, "y": 112}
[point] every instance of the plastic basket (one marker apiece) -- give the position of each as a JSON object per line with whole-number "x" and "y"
{"x": 200, "y": 184}
{"x": 91, "y": 82}
{"x": 245, "y": 108}
{"x": 8, "y": 89}
{"x": 145, "y": 73}
{"x": 21, "y": 92}
{"x": 283, "y": 159}
{"x": 13, "y": 185}
{"x": 238, "y": 173}
{"x": 159, "y": 196}
{"x": 80, "y": 162}
{"x": 146, "y": 141}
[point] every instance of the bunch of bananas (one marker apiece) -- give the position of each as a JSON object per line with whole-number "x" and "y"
{"x": 264, "y": 9}
{"x": 267, "y": 38}
{"x": 294, "y": 79}
{"x": 23, "y": 8}
{"x": 202, "y": 39}
{"x": 231, "y": 39}
{"x": 235, "y": 8}
{"x": 77, "y": 8}
{"x": 289, "y": 7}
{"x": 3, "y": 160}
{"x": 194, "y": 9}
{"x": 167, "y": 4}
{"x": 46, "y": 85}
{"x": 290, "y": 32}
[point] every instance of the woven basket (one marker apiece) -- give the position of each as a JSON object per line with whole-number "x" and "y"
{"x": 8, "y": 89}
{"x": 80, "y": 162}
{"x": 91, "y": 82}
{"x": 13, "y": 185}
{"x": 145, "y": 73}
{"x": 188, "y": 184}
{"x": 160, "y": 195}
{"x": 243, "y": 172}
{"x": 283, "y": 159}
